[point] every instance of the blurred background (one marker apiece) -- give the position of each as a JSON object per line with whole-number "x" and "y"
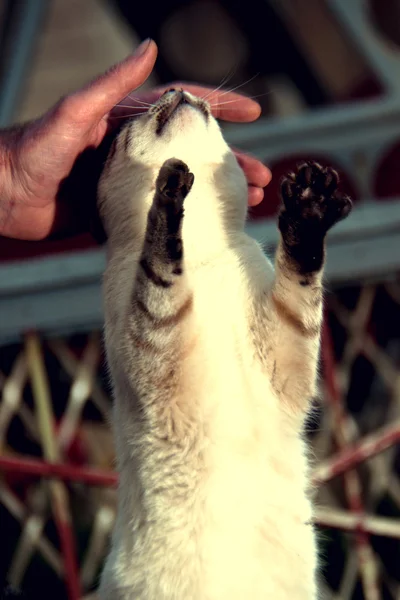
{"x": 327, "y": 75}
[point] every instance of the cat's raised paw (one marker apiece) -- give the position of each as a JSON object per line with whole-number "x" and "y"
{"x": 310, "y": 197}
{"x": 174, "y": 181}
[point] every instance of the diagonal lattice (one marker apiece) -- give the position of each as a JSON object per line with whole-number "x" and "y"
{"x": 57, "y": 486}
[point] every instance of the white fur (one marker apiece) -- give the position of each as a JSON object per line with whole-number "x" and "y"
{"x": 243, "y": 531}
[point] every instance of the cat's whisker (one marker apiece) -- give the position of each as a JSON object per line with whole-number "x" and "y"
{"x": 139, "y": 101}
{"x": 221, "y": 107}
{"x": 223, "y": 82}
{"x": 219, "y": 104}
{"x": 261, "y": 95}
{"x": 241, "y": 99}
{"x": 127, "y": 116}
{"x": 131, "y": 106}
{"x": 224, "y": 103}
{"x": 239, "y": 86}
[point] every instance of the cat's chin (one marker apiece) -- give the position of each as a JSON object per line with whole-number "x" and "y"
{"x": 185, "y": 120}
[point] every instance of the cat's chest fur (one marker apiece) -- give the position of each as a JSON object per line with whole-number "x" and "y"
{"x": 256, "y": 469}
{"x": 247, "y": 507}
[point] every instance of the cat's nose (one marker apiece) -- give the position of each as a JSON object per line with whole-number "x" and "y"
{"x": 167, "y": 92}
{"x": 172, "y": 90}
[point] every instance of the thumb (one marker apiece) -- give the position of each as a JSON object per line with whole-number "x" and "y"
{"x": 98, "y": 97}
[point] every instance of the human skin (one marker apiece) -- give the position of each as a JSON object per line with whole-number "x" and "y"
{"x": 44, "y": 162}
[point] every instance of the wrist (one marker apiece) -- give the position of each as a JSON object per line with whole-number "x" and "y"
{"x": 303, "y": 242}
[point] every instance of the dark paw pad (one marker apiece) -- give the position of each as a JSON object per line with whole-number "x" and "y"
{"x": 174, "y": 180}
{"x": 310, "y": 197}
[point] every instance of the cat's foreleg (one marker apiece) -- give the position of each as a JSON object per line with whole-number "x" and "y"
{"x": 311, "y": 206}
{"x": 161, "y": 298}
{"x": 157, "y": 333}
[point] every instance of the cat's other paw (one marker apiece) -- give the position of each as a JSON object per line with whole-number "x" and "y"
{"x": 311, "y": 205}
{"x": 311, "y": 200}
{"x": 174, "y": 182}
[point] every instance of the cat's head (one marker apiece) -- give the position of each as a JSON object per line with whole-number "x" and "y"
{"x": 179, "y": 125}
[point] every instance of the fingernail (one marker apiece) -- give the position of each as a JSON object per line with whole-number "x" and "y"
{"x": 142, "y": 48}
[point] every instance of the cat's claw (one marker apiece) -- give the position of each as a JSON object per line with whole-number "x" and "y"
{"x": 311, "y": 195}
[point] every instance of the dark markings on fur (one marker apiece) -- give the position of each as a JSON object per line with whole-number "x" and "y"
{"x": 174, "y": 249}
{"x": 144, "y": 345}
{"x": 111, "y": 153}
{"x": 273, "y": 374}
{"x": 127, "y": 140}
{"x": 158, "y": 322}
{"x": 201, "y": 104}
{"x": 307, "y": 256}
{"x": 311, "y": 206}
{"x": 287, "y": 315}
{"x": 154, "y": 278}
{"x": 163, "y": 248}
{"x": 113, "y": 149}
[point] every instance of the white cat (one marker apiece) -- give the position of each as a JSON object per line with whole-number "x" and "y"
{"x": 213, "y": 358}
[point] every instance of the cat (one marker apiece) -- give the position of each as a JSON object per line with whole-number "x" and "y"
{"x": 213, "y": 356}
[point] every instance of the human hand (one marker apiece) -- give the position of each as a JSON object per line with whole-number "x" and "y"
{"x": 49, "y": 168}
